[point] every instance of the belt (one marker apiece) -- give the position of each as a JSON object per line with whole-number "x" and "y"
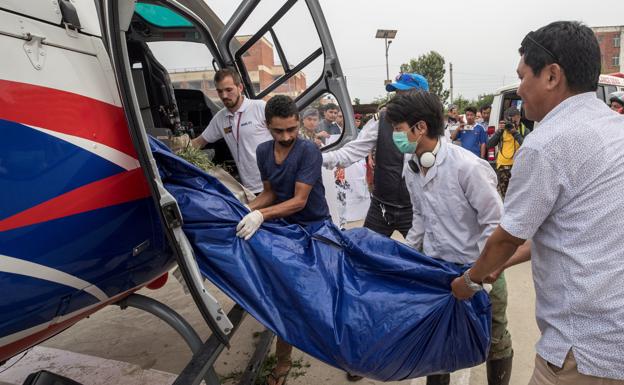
{"x": 393, "y": 205}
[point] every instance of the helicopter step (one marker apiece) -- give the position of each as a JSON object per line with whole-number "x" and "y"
{"x": 44, "y": 377}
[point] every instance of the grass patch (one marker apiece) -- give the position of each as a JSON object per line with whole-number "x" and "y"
{"x": 234, "y": 375}
{"x": 298, "y": 369}
{"x": 196, "y": 157}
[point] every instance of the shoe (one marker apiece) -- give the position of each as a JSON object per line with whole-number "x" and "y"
{"x": 353, "y": 377}
{"x": 439, "y": 379}
{"x": 499, "y": 371}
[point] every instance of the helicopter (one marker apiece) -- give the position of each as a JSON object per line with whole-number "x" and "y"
{"x": 85, "y": 221}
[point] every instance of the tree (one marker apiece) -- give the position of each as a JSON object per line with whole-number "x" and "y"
{"x": 382, "y": 99}
{"x": 432, "y": 67}
{"x": 462, "y": 103}
{"x": 356, "y": 101}
{"x": 484, "y": 100}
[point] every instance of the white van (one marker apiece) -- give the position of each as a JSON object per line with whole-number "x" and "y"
{"x": 507, "y": 97}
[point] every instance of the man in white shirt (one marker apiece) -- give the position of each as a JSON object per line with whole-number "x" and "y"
{"x": 565, "y": 195}
{"x": 390, "y": 207}
{"x": 241, "y": 123}
{"x": 455, "y": 207}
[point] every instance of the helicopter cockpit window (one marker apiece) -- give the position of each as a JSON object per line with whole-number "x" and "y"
{"x": 172, "y": 71}
{"x": 160, "y": 16}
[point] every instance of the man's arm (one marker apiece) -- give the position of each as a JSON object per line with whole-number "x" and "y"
{"x": 262, "y": 208}
{"x": 522, "y": 254}
{"x": 495, "y": 139}
{"x": 289, "y": 207}
{"x": 307, "y": 174}
{"x": 457, "y": 133}
{"x": 483, "y": 140}
{"x": 211, "y": 134}
{"x": 535, "y": 175}
{"x": 518, "y": 136}
{"x": 354, "y": 150}
{"x": 479, "y": 186}
{"x": 199, "y": 142}
{"x": 498, "y": 249}
{"x": 264, "y": 199}
{"x": 416, "y": 233}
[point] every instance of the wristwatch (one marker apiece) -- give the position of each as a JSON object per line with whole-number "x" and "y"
{"x": 475, "y": 287}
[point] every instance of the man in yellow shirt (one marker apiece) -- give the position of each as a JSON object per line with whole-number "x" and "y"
{"x": 509, "y": 137}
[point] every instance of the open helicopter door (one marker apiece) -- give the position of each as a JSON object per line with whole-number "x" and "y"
{"x": 295, "y": 35}
{"x": 116, "y": 17}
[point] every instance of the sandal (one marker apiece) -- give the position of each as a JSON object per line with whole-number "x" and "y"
{"x": 278, "y": 379}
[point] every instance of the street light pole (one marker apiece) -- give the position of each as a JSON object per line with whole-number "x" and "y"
{"x": 388, "y": 42}
{"x": 387, "y": 35}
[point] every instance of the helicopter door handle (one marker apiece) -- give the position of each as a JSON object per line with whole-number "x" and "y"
{"x": 140, "y": 248}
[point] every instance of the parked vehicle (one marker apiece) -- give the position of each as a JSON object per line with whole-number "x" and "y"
{"x": 508, "y": 96}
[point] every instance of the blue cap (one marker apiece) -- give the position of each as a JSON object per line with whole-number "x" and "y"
{"x": 408, "y": 82}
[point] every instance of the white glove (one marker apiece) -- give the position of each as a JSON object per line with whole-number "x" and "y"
{"x": 250, "y": 223}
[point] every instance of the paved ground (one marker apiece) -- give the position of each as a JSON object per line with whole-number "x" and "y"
{"x": 131, "y": 347}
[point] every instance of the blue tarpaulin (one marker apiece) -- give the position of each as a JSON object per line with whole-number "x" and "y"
{"x": 354, "y": 299}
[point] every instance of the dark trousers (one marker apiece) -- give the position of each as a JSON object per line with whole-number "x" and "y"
{"x": 384, "y": 219}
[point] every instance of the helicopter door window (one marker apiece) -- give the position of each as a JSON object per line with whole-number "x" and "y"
{"x": 189, "y": 65}
{"x": 285, "y": 47}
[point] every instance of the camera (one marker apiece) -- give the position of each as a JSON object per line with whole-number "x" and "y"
{"x": 509, "y": 125}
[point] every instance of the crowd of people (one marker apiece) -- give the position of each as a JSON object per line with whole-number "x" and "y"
{"x": 551, "y": 196}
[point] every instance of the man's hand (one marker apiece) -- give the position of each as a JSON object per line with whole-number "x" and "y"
{"x": 323, "y": 135}
{"x": 460, "y": 289}
{"x": 513, "y": 131}
{"x": 250, "y": 223}
{"x": 179, "y": 143}
{"x": 494, "y": 276}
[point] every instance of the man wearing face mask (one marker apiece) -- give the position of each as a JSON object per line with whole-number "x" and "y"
{"x": 455, "y": 208}
{"x": 390, "y": 207}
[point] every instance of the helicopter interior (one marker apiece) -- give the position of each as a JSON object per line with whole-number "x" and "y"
{"x": 171, "y": 107}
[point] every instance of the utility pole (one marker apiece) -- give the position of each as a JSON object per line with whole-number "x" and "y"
{"x": 387, "y": 35}
{"x": 451, "y": 74}
{"x": 387, "y": 67}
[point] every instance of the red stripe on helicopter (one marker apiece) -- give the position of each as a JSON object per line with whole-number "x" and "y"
{"x": 117, "y": 189}
{"x": 67, "y": 113}
{"x": 13, "y": 348}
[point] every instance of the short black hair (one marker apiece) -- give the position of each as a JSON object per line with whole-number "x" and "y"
{"x": 281, "y": 106}
{"x": 330, "y": 106}
{"x": 570, "y": 44}
{"x": 225, "y": 72}
{"x": 511, "y": 111}
{"x": 470, "y": 109}
{"x": 486, "y": 107}
{"x": 416, "y": 106}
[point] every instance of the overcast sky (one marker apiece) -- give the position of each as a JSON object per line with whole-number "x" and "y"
{"x": 479, "y": 37}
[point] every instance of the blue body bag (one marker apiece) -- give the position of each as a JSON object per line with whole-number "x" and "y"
{"x": 354, "y": 299}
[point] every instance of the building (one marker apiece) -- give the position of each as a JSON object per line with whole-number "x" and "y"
{"x": 611, "y": 54}
{"x": 260, "y": 64}
{"x": 263, "y": 70}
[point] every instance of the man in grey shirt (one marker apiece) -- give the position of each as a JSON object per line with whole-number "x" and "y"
{"x": 565, "y": 195}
